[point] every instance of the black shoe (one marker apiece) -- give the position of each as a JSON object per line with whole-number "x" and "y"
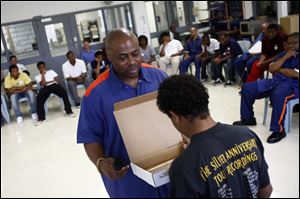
{"x": 276, "y": 137}
{"x": 77, "y": 105}
{"x": 250, "y": 122}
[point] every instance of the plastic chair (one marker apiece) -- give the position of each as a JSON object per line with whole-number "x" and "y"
{"x": 245, "y": 45}
{"x": 4, "y": 109}
{"x": 266, "y": 102}
{"x": 46, "y": 103}
{"x": 288, "y": 116}
{"x": 289, "y": 113}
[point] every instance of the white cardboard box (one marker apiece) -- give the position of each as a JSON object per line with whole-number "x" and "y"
{"x": 151, "y": 140}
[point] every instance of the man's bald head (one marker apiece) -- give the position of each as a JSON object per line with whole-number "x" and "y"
{"x": 115, "y": 36}
{"x": 122, "y": 48}
{"x": 193, "y": 29}
{"x": 193, "y": 32}
{"x": 264, "y": 26}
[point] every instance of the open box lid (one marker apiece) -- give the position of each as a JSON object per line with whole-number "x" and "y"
{"x": 149, "y": 135}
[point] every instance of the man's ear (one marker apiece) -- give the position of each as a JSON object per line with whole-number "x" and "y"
{"x": 109, "y": 54}
{"x": 174, "y": 117}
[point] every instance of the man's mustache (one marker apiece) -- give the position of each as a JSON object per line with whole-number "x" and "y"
{"x": 133, "y": 66}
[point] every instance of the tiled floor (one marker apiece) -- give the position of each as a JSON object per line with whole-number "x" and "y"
{"x": 45, "y": 161}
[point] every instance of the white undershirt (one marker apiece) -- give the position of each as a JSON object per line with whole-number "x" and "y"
{"x": 173, "y": 47}
{"x": 73, "y": 71}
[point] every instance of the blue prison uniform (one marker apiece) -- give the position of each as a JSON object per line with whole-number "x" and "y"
{"x": 97, "y": 124}
{"x": 194, "y": 47}
{"x": 280, "y": 89}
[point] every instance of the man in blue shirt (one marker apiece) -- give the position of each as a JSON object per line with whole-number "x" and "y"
{"x": 192, "y": 49}
{"x": 229, "y": 51}
{"x": 97, "y": 127}
{"x": 87, "y": 54}
{"x": 283, "y": 87}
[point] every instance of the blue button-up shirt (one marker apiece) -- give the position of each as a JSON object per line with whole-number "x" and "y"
{"x": 194, "y": 46}
{"x": 97, "y": 124}
{"x": 281, "y": 79}
{"x": 88, "y": 56}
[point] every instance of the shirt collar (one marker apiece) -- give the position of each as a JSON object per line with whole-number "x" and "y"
{"x": 87, "y": 51}
{"x": 197, "y": 38}
{"x": 70, "y": 62}
{"x": 143, "y": 77}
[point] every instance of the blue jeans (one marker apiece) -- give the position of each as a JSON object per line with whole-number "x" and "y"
{"x": 231, "y": 69}
{"x": 14, "y": 98}
{"x": 184, "y": 64}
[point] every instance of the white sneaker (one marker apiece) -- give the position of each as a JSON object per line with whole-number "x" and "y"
{"x": 71, "y": 115}
{"x": 34, "y": 116}
{"x": 20, "y": 120}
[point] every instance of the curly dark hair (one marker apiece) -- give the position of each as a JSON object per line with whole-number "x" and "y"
{"x": 12, "y": 67}
{"x": 183, "y": 95}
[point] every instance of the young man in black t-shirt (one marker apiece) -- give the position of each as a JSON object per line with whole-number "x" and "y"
{"x": 221, "y": 160}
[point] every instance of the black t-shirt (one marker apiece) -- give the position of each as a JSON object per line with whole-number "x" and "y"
{"x": 224, "y": 161}
{"x": 232, "y": 47}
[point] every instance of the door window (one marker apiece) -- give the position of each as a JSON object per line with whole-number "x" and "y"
{"x": 20, "y": 40}
{"x": 56, "y": 39}
{"x": 91, "y": 26}
{"x": 118, "y": 17}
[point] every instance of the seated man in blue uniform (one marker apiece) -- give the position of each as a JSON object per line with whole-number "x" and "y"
{"x": 283, "y": 87}
{"x": 192, "y": 49}
{"x": 97, "y": 127}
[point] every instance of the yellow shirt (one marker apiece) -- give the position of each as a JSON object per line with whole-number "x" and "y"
{"x": 22, "y": 80}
